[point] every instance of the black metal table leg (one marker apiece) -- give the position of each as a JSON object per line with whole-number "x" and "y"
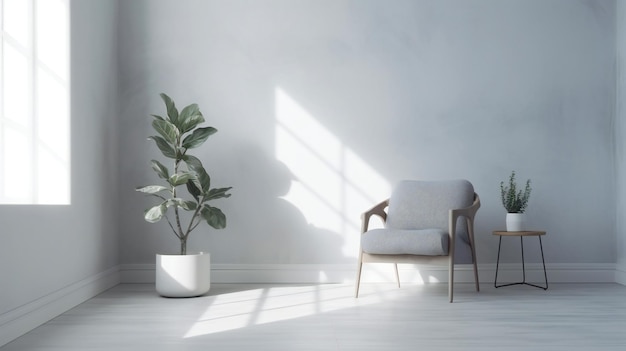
{"x": 521, "y": 242}
{"x": 545, "y": 275}
{"x": 523, "y": 282}
{"x": 495, "y": 283}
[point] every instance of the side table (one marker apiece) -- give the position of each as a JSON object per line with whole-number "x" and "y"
{"x": 521, "y": 236}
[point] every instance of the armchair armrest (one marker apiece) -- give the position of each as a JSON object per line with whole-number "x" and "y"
{"x": 469, "y": 213}
{"x": 378, "y": 210}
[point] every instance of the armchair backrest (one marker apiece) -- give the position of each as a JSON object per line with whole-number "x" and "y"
{"x": 416, "y": 204}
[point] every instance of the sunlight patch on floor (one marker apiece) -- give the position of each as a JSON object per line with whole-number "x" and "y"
{"x": 268, "y": 305}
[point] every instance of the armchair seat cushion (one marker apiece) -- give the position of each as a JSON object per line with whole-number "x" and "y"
{"x": 387, "y": 241}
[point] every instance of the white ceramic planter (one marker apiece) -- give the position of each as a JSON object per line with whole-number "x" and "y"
{"x": 515, "y": 222}
{"x": 183, "y": 275}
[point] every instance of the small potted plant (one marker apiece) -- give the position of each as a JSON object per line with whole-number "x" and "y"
{"x": 515, "y": 202}
{"x": 185, "y": 194}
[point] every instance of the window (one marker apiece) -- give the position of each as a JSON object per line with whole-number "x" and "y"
{"x": 34, "y": 102}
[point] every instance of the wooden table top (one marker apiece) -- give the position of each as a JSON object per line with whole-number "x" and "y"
{"x": 523, "y": 233}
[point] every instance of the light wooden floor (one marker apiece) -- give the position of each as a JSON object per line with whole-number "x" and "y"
{"x": 327, "y": 317}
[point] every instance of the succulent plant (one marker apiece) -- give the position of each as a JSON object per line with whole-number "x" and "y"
{"x": 514, "y": 200}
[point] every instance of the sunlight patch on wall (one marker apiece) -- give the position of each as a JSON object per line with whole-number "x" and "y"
{"x": 332, "y": 185}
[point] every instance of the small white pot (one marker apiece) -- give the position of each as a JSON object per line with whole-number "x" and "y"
{"x": 515, "y": 222}
{"x": 183, "y": 275}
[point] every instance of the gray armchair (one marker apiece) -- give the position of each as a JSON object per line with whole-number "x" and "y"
{"x": 423, "y": 224}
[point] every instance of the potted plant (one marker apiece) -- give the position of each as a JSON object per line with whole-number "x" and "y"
{"x": 515, "y": 202}
{"x": 185, "y": 194}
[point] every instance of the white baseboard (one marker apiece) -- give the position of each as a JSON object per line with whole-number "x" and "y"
{"x": 23, "y": 319}
{"x": 253, "y": 273}
{"x": 380, "y": 272}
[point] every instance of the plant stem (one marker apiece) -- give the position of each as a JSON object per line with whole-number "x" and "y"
{"x": 183, "y": 237}
{"x": 195, "y": 216}
{"x": 171, "y": 226}
{"x": 183, "y": 246}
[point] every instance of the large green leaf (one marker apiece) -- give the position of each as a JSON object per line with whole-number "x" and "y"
{"x": 189, "y": 118}
{"x": 151, "y": 189}
{"x": 189, "y": 205}
{"x": 198, "y": 137}
{"x": 194, "y": 185}
{"x": 160, "y": 170}
{"x": 172, "y": 112}
{"x": 167, "y": 130}
{"x": 193, "y": 122}
{"x": 187, "y": 112}
{"x": 217, "y": 193}
{"x": 164, "y": 146}
{"x": 185, "y": 205}
{"x": 155, "y": 213}
{"x": 214, "y": 217}
{"x": 158, "y": 117}
{"x": 194, "y": 188}
{"x": 180, "y": 178}
{"x": 192, "y": 161}
{"x": 202, "y": 179}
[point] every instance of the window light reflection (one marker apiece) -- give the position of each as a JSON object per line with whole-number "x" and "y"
{"x": 333, "y": 184}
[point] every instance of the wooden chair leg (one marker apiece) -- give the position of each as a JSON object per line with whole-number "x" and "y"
{"x": 451, "y": 248}
{"x": 397, "y": 274}
{"x": 473, "y": 246}
{"x": 451, "y": 283}
{"x": 451, "y": 280}
{"x": 476, "y": 276}
{"x": 358, "y": 276}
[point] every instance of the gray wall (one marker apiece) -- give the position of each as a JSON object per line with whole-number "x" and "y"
{"x": 387, "y": 91}
{"x": 46, "y": 248}
{"x": 620, "y": 133}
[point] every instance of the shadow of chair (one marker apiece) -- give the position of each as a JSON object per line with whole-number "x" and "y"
{"x": 423, "y": 225}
